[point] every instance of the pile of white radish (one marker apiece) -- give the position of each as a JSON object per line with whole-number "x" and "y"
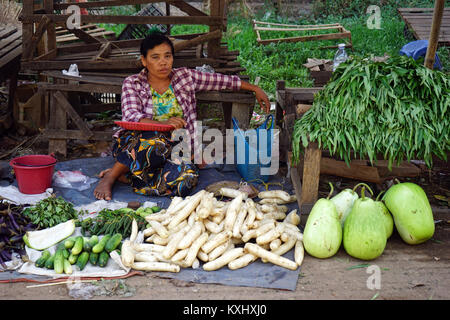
{"x": 218, "y": 233}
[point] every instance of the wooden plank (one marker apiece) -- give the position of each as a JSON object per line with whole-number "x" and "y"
{"x": 217, "y": 34}
{"x": 67, "y": 107}
{"x": 118, "y": 64}
{"x": 7, "y": 31}
{"x": 187, "y": 8}
{"x": 63, "y": 135}
{"x": 83, "y": 35}
{"x": 104, "y": 52}
{"x": 119, "y": 19}
{"x": 311, "y": 174}
{"x": 10, "y": 56}
{"x": 328, "y": 36}
{"x": 81, "y": 88}
{"x": 222, "y": 96}
{"x": 41, "y": 28}
{"x": 405, "y": 169}
{"x": 11, "y": 38}
{"x": 102, "y": 4}
{"x": 10, "y": 47}
{"x": 355, "y": 171}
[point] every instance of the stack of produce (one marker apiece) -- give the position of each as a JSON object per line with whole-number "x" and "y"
{"x": 80, "y": 250}
{"x": 219, "y": 233}
{"x": 13, "y": 226}
{"x": 397, "y": 109}
{"x": 364, "y": 225}
{"x": 110, "y": 221}
{"x": 50, "y": 212}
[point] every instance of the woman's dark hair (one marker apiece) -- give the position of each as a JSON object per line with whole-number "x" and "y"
{"x": 154, "y": 39}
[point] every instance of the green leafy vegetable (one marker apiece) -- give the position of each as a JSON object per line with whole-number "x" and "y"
{"x": 50, "y": 212}
{"x": 395, "y": 109}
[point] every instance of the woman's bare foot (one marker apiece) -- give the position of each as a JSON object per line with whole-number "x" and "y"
{"x": 103, "y": 191}
{"x": 122, "y": 178}
{"x": 103, "y": 172}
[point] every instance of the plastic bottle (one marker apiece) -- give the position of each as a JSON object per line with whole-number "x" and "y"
{"x": 340, "y": 56}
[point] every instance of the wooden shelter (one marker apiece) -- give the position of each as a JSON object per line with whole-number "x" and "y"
{"x": 104, "y": 62}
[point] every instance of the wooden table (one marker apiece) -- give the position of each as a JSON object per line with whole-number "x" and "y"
{"x": 419, "y": 20}
{"x": 61, "y": 108}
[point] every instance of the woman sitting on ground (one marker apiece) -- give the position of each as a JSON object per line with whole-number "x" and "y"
{"x": 161, "y": 95}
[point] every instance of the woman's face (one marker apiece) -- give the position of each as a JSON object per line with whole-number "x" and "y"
{"x": 158, "y": 61}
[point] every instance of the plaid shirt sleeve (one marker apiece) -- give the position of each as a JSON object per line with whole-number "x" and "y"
{"x": 204, "y": 81}
{"x": 132, "y": 108}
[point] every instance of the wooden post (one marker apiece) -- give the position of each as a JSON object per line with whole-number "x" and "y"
{"x": 434, "y": 33}
{"x": 168, "y": 14}
{"x": 51, "y": 32}
{"x": 58, "y": 121}
{"x": 27, "y": 29}
{"x": 311, "y": 174}
{"x": 216, "y": 9}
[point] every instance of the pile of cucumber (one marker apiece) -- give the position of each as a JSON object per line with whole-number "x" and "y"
{"x": 79, "y": 251}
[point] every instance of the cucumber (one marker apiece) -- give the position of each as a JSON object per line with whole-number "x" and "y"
{"x": 86, "y": 246}
{"x": 101, "y": 244}
{"x": 58, "y": 264}
{"x": 44, "y": 257}
{"x": 67, "y": 267}
{"x": 93, "y": 241}
{"x": 93, "y": 258}
{"x": 82, "y": 260}
{"x": 68, "y": 244}
{"x": 113, "y": 242}
{"x": 50, "y": 261}
{"x": 72, "y": 258}
{"x": 156, "y": 209}
{"x": 103, "y": 259}
{"x": 78, "y": 246}
{"x": 66, "y": 253}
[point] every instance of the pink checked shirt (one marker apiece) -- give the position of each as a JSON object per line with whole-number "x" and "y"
{"x": 137, "y": 99}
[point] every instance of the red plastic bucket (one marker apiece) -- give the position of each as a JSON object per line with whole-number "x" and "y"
{"x": 33, "y": 172}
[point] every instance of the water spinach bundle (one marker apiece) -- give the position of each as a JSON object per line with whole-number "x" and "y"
{"x": 398, "y": 109}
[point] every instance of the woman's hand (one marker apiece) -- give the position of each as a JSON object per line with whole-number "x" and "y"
{"x": 176, "y": 122}
{"x": 262, "y": 99}
{"x": 260, "y": 95}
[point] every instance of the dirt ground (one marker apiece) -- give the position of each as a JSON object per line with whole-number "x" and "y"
{"x": 408, "y": 272}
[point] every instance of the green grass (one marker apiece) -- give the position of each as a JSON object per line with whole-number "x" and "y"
{"x": 284, "y": 61}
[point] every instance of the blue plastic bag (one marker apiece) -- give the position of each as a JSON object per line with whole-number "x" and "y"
{"x": 253, "y": 150}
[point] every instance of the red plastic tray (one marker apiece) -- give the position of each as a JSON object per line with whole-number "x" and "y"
{"x": 144, "y": 126}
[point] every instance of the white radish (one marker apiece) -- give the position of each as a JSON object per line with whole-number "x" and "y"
{"x": 156, "y": 266}
{"x": 194, "y": 248}
{"x": 270, "y": 256}
{"x": 224, "y": 259}
{"x": 280, "y": 194}
{"x": 232, "y": 212}
{"x": 299, "y": 252}
{"x": 242, "y": 262}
